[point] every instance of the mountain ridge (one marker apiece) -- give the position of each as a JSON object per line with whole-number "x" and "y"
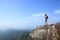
{"x": 37, "y": 34}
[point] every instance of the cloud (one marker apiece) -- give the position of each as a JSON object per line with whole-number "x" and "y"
{"x": 12, "y": 23}
{"x": 57, "y": 11}
{"x": 38, "y": 15}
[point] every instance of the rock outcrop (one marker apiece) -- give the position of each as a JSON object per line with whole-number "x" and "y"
{"x": 46, "y": 32}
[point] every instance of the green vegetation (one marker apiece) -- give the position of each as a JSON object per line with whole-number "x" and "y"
{"x": 24, "y": 36}
{"x": 15, "y": 35}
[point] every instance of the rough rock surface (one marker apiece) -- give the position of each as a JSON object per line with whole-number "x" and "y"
{"x": 49, "y": 32}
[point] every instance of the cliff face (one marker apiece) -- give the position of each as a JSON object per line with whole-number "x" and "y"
{"x": 57, "y": 26}
{"x": 49, "y": 32}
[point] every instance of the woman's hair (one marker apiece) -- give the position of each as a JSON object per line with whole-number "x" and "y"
{"x": 45, "y": 14}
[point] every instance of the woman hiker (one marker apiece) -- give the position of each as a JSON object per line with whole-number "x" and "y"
{"x": 46, "y": 17}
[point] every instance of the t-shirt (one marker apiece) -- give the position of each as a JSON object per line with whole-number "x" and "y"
{"x": 46, "y": 17}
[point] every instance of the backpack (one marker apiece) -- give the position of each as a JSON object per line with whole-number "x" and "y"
{"x": 46, "y": 17}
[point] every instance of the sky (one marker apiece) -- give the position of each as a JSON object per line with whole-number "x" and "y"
{"x": 28, "y": 14}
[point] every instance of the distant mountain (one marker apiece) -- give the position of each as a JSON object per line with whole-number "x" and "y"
{"x": 10, "y": 34}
